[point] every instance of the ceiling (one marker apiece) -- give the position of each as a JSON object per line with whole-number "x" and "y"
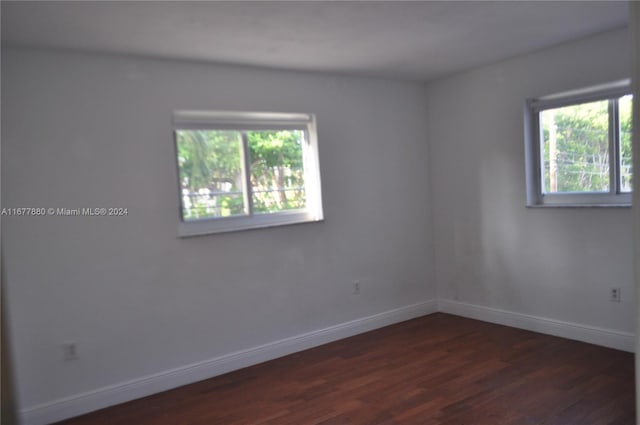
{"x": 410, "y": 40}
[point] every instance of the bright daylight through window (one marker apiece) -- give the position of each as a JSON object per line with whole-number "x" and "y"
{"x": 579, "y": 148}
{"x": 243, "y": 170}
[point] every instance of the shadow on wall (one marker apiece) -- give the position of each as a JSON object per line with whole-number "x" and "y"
{"x": 500, "y": 237}
{"x": 7, "y": 403}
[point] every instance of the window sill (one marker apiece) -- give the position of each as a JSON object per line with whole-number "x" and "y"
{"x": 580, "y": 206}
{"x": 235, "y": 224}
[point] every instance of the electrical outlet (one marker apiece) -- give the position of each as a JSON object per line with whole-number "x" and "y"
{"x": 615, "y": 295}
{"x": 69, "y": 351}
{"x": 356, "y": 287}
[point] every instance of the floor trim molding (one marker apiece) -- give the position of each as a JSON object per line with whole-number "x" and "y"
{"x": 600, "y": 336}
{"x": 58, "y": 410}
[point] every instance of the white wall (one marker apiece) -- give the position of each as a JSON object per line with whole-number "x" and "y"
{"x": 493, "y": 252}
{"x": 89, "y": 130}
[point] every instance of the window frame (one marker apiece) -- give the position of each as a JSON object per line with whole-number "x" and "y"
{"x": 242, "y": 121}
{"x": 533, "y": 148}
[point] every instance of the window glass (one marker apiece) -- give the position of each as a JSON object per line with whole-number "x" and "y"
{"x": 277, "y": 170}
{"x": 210, "y": 166}
{"x": 575, "y": 148}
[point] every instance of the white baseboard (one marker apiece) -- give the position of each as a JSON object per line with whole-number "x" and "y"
{"x": 591, "y": 334}
{"x": 58, "y": 410}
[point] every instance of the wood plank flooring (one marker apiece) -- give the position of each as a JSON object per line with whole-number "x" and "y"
{"x": 438, "y": 369}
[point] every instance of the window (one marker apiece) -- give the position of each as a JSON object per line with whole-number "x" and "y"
{"x": 578, "y": 147}
{"x": 245, "y": 170}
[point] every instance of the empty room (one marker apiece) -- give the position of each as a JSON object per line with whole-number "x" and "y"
{"x": 373, "y": 212}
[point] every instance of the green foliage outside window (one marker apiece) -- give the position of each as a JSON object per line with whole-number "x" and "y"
{"x": 277, "y": 171}
{"x": 576, "y": 147}
{"x": 212, "y": 179}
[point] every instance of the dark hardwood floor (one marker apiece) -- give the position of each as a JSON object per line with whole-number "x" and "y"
{"x": 438, "y": 369}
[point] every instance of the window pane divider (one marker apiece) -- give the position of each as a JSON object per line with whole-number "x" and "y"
{"x": 615, "y": 123}
{"x": 613, "y": 157}
{"x": 246, "y": 171}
